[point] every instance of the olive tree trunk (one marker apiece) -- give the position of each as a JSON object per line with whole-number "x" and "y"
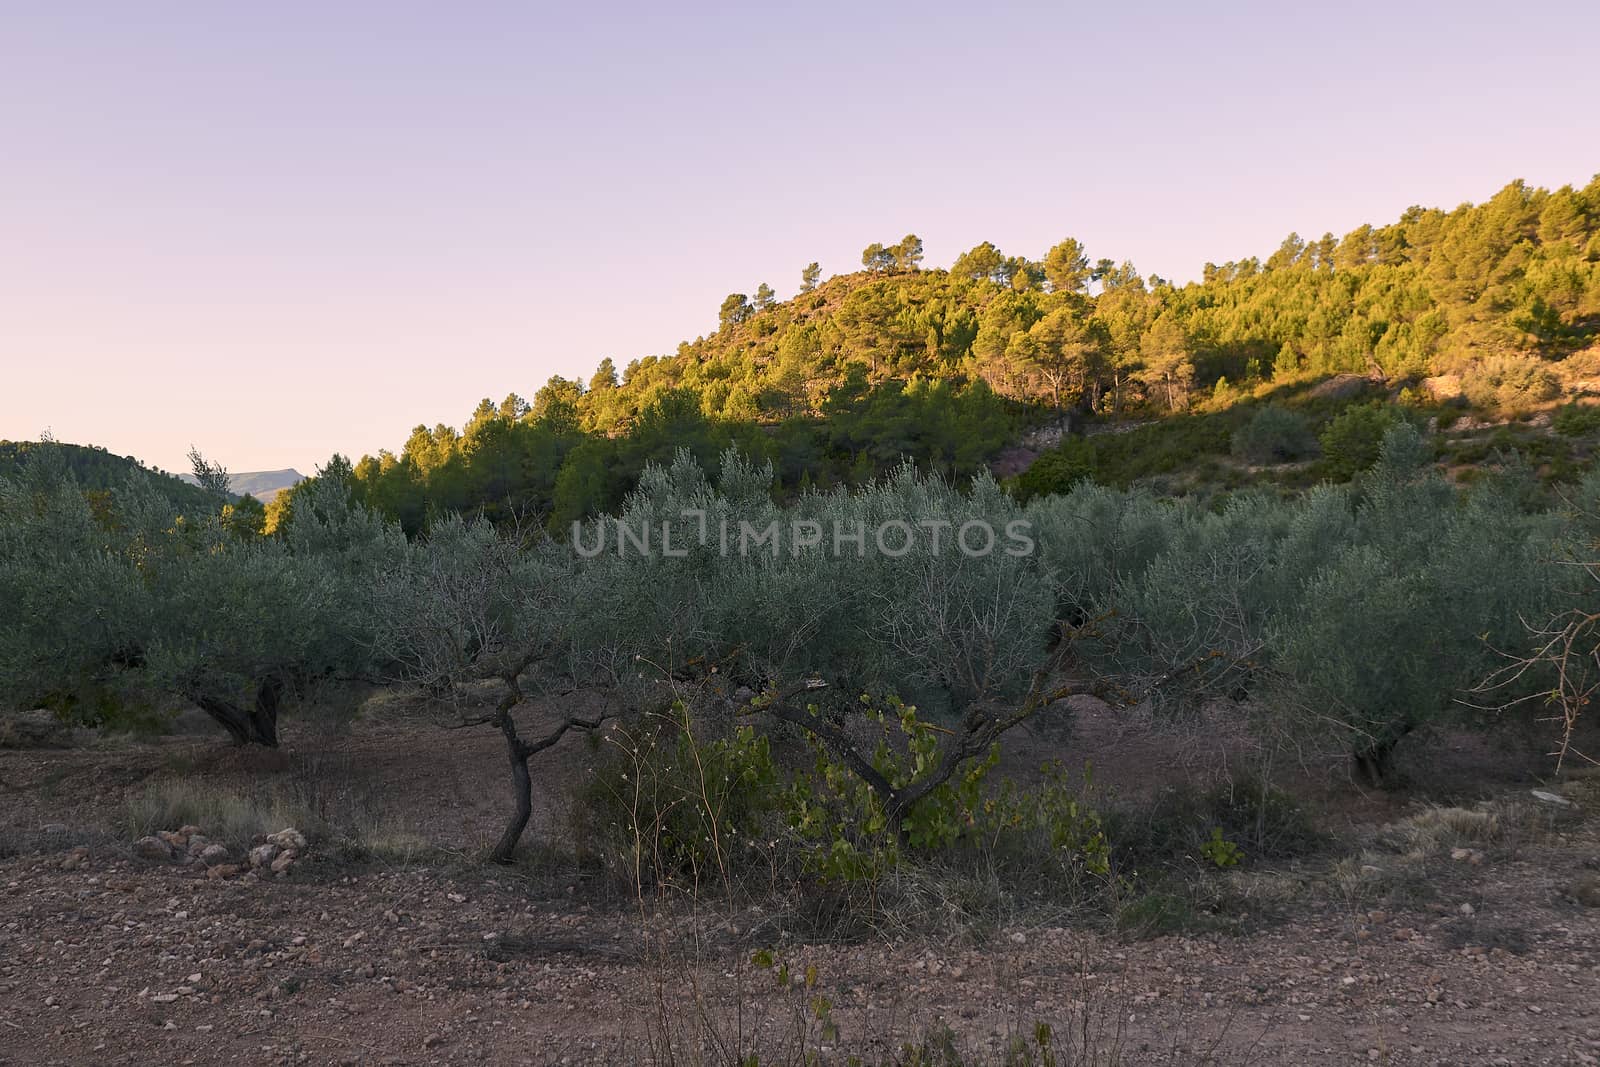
{"x": 256, "y": 725}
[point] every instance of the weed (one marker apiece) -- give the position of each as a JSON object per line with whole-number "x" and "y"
{"x": 1251, "y": 819}
{"x": 1220, "y": 851}
{"x": 1155, "y": 914}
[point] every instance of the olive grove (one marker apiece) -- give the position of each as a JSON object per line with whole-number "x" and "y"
{"x": 1346, "y": 619}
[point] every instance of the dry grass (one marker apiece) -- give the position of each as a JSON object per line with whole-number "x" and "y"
{"x": 229, "y": 816}
{"x": 1369, "y": 877}
{"x": 1507, "y": 824}
{"x": 238, "y": 816}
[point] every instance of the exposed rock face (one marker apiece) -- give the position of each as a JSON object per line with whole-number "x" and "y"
{"x": 1341, "y": 386}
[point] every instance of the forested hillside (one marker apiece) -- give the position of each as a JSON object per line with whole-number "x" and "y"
{"x": 1499, "y": 303}
{"x": 98, "y": 471}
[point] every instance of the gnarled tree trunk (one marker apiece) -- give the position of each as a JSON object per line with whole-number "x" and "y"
{"x": 257, "y": 725}
{"x": 519, "y": 752}
{"x": 1373, "y": 762}
{"x": 521, "y": 792}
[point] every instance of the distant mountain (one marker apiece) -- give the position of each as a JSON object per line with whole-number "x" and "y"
{"x": 97, "y": 469}
{"x": 263, "y": 485}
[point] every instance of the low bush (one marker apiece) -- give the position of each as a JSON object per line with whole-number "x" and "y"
{"x": 664, "y": 807}
{"x": 1511, "y": 383}
{"x": 1155, "y": 914}
{"x": 1056, "y": 471}
{"x": 1576, "y": 420}
{"x": 1352, "y": 441}
{"x": 1226, "y": 825}
{"x": 1275, "y": 435}
{"x": 1163, "y": 447}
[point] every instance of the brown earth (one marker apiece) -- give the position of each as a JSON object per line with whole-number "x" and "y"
{"x": 1391, "y": 953}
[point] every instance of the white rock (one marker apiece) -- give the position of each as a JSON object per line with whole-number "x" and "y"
{"x": 288, "y": 838}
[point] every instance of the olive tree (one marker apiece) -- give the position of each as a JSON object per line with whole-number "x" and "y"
{"x": 1353, "y": 613}
{"x": 1556, "y": 670}
{"x": 470, "y": 602}
{"x": 1418, "y": 601}
{"x": 839, "y": 595}
{"x": 115, "y": 607}
{"x": 73, "y": 612}
{"x": 978, "y": 611}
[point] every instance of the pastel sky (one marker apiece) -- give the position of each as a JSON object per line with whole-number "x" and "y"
{"x": 277, "y": 231}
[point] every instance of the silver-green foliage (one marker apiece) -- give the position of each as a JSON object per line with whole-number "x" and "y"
{"x": 950, "y": 628}
{"x": 1418, "y": 602}
{"x": 114, "y": 609}
{"x": 1363, "y": 611}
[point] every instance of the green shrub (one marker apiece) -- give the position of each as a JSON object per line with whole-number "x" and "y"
{"x": 842, "y": 822}
{"x": 1056, "y": 471}
{"x": 1275, "y": 435}
{"x": 1225, "y": 825}
{"x": 1220, "y": 851}
{"x": 1155, "y": 914}
{"x": 664, "y": 807}
{"x": 1162, "y": 447}
{"x": 851, "y": 840}
{"x": 1353, "y": 440}
{"x": 1576, "y": 420}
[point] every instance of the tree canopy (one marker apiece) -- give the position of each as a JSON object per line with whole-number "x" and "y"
{"x": 941, "y": 366}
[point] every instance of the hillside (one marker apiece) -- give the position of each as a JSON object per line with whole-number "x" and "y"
{"x": 263, "y": 485}
{"x": 97, "y": 469}
{"x": 1494, "y": 307}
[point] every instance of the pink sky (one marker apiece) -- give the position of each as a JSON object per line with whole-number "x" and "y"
{"x": 281, "y": 231}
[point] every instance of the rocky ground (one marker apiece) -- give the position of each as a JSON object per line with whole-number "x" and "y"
{"x": 1418, "y": 950}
